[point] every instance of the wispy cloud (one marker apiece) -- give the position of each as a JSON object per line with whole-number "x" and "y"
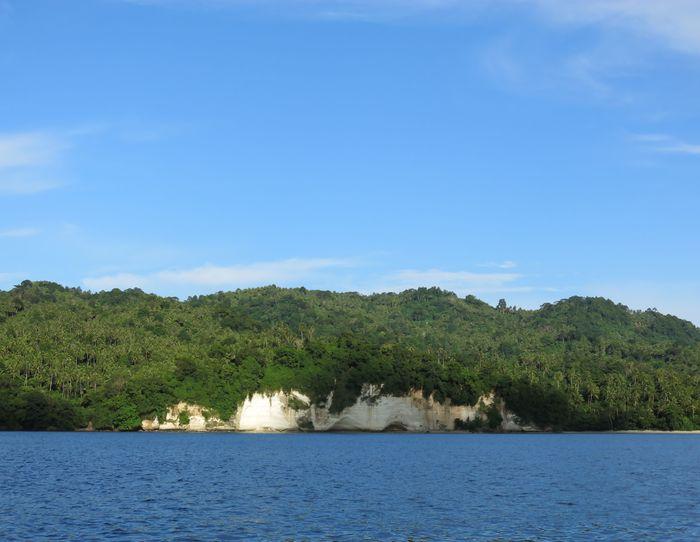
{"x": 30, "y": 161}
{"x": 460, "y": 282}
{"x": 29, "y": 149}
{"x": 678, "y": 297}
{"x": 26, "y": 186}
{"x": 626, "y": 36}
{"x": 336, "y": 274}
{"x": 457, "y": 280}
{"x": 673, "y": 23}
{"x": 349, "y": 8}
{"x": 681, "y": 148}
{"x": 26, "y": 159}
{"x": 650, "y": 138}
{"x": 676, "y": 24}
{"x": 594, "y": 67}
{"x": 19, "y": 232}
{"x": 283, "y": 273}
{"x": 9, "y": 279}
{"x": 505, "y": 264}
{"x": 664, "y": 143}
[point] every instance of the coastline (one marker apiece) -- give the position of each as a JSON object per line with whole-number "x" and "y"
{"x": 350, "y": 432}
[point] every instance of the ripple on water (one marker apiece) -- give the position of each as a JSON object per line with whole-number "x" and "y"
{"x": 349, "y": 487}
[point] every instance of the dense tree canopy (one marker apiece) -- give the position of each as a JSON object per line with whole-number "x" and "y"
{"x": 69, "y": 357}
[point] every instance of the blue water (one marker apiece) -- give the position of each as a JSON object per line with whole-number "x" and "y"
{"x": 145, "y": 486}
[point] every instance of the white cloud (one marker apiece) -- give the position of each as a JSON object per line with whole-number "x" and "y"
{"x": 7, "y": 280}
{"x": 283, "y": 272}
{"x": 667, "y": 144}
{"x": 29, "y": 149}
{"x": 675, "y": 23}
{"x": 26, "y": 159}
{"x": 681, "y": 148}
{"x": 679, "y": 298}
{"x": 650, "y": 138}
{"x": 627, "y": 34}
{"x": 119, "y": 280}
{"x": 26, "y": 186}
{"x": 19, "y": 232}
{"x": 313, "y": 273}
{"x": 505, "y": 264}
{"x": 257, "y": 273}
{"x": 460, "y": 282}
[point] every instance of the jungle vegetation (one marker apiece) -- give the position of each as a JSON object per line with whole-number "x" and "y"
{"x": 69, "y": 358}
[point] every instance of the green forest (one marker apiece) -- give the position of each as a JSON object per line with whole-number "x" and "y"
{"x": 71, "y": 358}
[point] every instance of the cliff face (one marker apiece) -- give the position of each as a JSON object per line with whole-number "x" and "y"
{"x": 372, "y": 411}
{"x": 185, "y": 417}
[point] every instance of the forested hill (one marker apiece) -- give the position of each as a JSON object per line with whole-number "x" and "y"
{"x": 69, "y": 357}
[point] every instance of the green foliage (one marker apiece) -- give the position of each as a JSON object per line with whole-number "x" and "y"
{"x": 493, "y": 417}
{"x": 34, "y": 410}
{"x": 475, "y": 425}
{"x": 184, "y": 418}
{"x": 489, "y": 421}
{"x": 536, "y": 403}
{"x": 69, "y": 357}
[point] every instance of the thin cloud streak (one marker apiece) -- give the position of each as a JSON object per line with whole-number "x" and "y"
{"x": 20, "y": 232}
{"x": 10, "y": 279}
{"x": 460, "y": 282}
{"x": 459, "y": 277}
{"x": 24, "y": 187}
{"x": 314, "y": 272}
{"x": 681, "y": 148}
{"x": 24, "y": 160}
{"x": 627, "y": 34}
{"x": 679, "y": 298}
{"x": 675, "y": 24}
{"x": 29, "y": 149}
{"x": 505, "y": 264}
{"x": 664, "y": 143}
{"x": 284, "y": 272}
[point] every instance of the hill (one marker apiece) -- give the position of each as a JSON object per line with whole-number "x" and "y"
{"x": 70, "y": 357}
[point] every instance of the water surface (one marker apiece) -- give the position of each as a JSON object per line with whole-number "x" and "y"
{"x": 348, "y": 487}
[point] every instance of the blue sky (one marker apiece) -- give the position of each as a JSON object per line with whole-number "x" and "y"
{"x": 526, "y": 149}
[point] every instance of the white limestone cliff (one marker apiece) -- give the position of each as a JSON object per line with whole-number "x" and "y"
{"x": 372, "y": 411}
{"x": 275, "y": 412}
{"x": 196, "y": 418}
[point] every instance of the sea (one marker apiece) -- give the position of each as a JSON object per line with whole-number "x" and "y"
{"x": 349, "y": 487}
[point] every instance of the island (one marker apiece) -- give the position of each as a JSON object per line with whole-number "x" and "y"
{"x": 281, "y": 359}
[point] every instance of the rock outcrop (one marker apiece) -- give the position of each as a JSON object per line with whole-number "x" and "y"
{"x": 372, "y": 411}
{"x": 186, "y": 417}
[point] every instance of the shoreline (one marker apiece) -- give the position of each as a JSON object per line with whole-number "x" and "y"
{"x": 454, "y": 432}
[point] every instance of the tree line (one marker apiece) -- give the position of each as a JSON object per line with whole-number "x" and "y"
{"x": 69, "y": 358}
